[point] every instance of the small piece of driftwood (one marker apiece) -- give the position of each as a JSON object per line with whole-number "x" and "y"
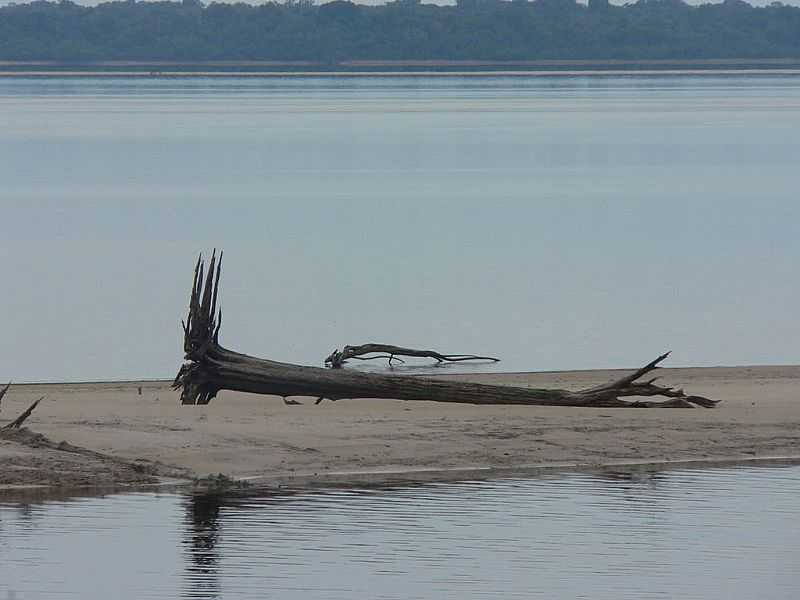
{"x": 17, "y": 423}
{"x": 338, "y": 358}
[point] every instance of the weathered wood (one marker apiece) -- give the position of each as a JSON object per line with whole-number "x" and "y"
{"x": 209, "y": 368}
{"x": 338, "y": 358}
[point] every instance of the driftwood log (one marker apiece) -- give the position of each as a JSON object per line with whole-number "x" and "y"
{"x": 209, "y": 367}
{"x": 338, "y": 358}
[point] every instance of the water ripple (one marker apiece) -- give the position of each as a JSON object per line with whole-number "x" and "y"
{"x": 720, "y": 533}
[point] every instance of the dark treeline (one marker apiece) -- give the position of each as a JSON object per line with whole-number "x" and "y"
{"x": 406, "y": 30}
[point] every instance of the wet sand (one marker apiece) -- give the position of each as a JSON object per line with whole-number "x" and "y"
{"x": 130, "y": 438}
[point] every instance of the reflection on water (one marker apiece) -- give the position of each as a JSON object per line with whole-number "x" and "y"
{"x": 202, "y": 528}
{"x": 715, "y": 534}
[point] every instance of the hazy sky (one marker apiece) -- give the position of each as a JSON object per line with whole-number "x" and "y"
{"x": 558, "y": 224}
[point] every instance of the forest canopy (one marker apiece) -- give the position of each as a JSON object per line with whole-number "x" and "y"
{"x": 489, "y": 30}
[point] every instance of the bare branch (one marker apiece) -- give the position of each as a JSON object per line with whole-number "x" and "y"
{"x": 338, "y": 358}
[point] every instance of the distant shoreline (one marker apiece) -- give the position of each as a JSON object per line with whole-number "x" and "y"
{"x": 334, "y": 74}
{"x": 388, "y": 68}
{"x": 357, "y": 64}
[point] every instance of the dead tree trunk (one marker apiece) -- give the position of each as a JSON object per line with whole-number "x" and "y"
{"x": 338, "y": 358}
{"x": 209, "y": 368}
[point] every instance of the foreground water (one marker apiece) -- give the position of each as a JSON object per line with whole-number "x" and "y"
{"x": 715, "y": 534}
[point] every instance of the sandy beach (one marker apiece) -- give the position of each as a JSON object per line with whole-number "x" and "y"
{"x": 107, "y": 433}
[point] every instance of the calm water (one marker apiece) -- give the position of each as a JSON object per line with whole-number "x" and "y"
{"x": 535, "y": 219}
{"x": 717, "y": 534}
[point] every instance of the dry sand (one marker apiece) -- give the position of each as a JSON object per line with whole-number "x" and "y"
{"x": 131, "y": 437}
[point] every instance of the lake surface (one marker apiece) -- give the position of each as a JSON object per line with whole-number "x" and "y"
{"x": 545, "y": 220}
{"x": 713, "y": 535}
